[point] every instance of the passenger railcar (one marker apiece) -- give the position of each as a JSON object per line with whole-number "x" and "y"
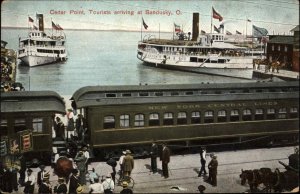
{"x": 195, "y": 113}
{"x": 30, "y": 111}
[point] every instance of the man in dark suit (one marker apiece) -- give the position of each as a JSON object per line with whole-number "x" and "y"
{"x": 154, "y": 153}
{"x": 213, "y": 169}
{"x": 45, "y": 187}
{"x": 61, "y": 187}
{"x": 165, "y": 158}
{"x": 74, "y": 182}
{"x": 40, "y": 175}
{"x": 80, "y": 127}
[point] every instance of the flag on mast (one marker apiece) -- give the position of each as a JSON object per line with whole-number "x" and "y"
{"x": 228, "y": 33}
{"x": 144, "y": 24}
{"x": 177, "y": 28}
{"x": 237, "y": 32}
{"x": 216, "y": 29}
{"x": 30, "y": 19}
{"x": 54, "y": 26}
{"x": 259, "y": 32}
{"x": 216, "y": 15}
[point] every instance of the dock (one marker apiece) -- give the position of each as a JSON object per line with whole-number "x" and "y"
{"x": 286, "y": 75}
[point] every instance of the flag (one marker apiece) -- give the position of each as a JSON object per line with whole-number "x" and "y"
{"x": 248, "y": 20}
{"x": 237, "y": 32}
{"x": 228, "y": 33}
{"x": 203, "y": 32}
{"x": 216, "y": 15}
{"x": 221, "y": 26}
{"x": 259, "y": 32}
{"x": 177, "y": 28}
{"x": 144, "y": 24}
{"x": 216, "y": 29}
{"x": 30, "y": 19}
{"x": 54, "y": 26}
{"x": 35, "y": 27}
{"x": 59, "y": 27}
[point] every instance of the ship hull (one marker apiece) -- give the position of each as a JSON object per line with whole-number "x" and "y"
{"x": 32, "y": 61}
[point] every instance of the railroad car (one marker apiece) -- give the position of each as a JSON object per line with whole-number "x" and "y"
{"x": 132, "y": 116}
{"x": 27, "y": 120}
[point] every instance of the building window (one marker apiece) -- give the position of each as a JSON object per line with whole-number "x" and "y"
{"x": 168, "y": 118}
{"x": 124, "y": 121}
{"x": 294, "y": 112}
{"x": 139, "y": 120}
{"x": 153, "y": 119}
{"x": 37, "y": 125}
{"x": 282, "y": 113}
{"x": 259, "y": 114}
{"x": 278, "y": 47}
{"x": 247, "y": 115}
{"x": 222, "y": 116}
{"x": 109, "y": 122}
{"x": 20, "y": 125}
{"x": 273, "y": 47}
{"x": 181, "y": 118}
{"x": 285, "y": 49}
{"x": 234, "y": 115}
{"x": 3, "y": 128}
{"x": 195, "y": 117}
{"x": 270, "y": 113}
{"x": 209, "y": 116}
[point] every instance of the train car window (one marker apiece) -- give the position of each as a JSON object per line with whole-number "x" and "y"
{"x": 259, "y": 114}
{"x": 154, "y": 119}
{"x": 158, "y": 93}
{"x": 282, "y": 113}
{"x": 168, "y": 118}
{"x": 259, "y": 90}
{"x": 234, "y": 115}
{"x": 222, "y": 116}
{"x": 37, "y": 125}
{"x": 181, "y": 118}
{"x": 124, "y": 121}
{"x": 174, "y": 93}
{"x": 195, "y": 117}
{"x": 109, "y": 122}
{"x": 203, "y": 92}
{"x": 246, "y": 91}
{"x": 20, "y": 125}
{"x": 139, "y": 120}
{"x": 126, "y": 94}
{"x": 189, "y": 93}
{"x": 209, "y": 116}
{"x": 294, "y": 112}
{"x": 143, "y": 94}
{"x": 111, "y": 95}
{"x": 3, "y": 128}
{"x": 218, "y": 92}
{"x": 270, "y": 113}
{"x": 247, "y": 115}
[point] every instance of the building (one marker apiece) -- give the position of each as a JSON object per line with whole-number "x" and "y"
{"x": 296, "y": 54}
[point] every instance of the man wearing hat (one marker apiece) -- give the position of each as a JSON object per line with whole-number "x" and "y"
{"x": 81, "y": 160}
{"x": 121, "y": 163}
{"x": 108, "y": 184}
{"x": 80, "y": 127}
{"x": 40, "y": 175}
{"x": 128, "y": 163}
{"x": 74, "y": 182}
{"x": 213, "y": 166}
{"x": 61, "y": 188}
{"x": 29, "y": 182}
{"x": 154, "y": 154}
{"x": 70, "y": 123}
{"x": 125, "y": 189}
{"x": 45, "y": 187}
{"x": 165, "y": 159}
{"x": 203, "y": 161}
{"x": 96, "y": 187}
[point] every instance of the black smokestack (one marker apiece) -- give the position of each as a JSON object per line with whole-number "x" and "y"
{"x": 40, "y": 19}
{"x": 195, "y": 26}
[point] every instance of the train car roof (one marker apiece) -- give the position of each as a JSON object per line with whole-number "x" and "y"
{"x": 88, "y": 96}
{"x": 32, "y": 101}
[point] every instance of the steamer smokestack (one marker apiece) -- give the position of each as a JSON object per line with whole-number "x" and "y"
{"x": 40, "y": 19}
{"x": 195, "y": 26}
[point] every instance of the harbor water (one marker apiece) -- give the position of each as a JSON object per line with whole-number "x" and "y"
{"x": 99, "y": 58}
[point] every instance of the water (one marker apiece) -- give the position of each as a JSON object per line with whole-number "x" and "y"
{"x": 99, "y": 58}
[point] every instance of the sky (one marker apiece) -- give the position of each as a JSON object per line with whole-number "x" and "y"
{"x": 277, "y": 16}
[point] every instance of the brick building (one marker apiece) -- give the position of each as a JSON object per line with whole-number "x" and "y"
{"x": 296, "y": 54}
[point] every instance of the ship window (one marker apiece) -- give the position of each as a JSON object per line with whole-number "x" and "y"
{"x": 195, "y": 117}
{"x": 259, "y": 90}
{"x": 246, "y": 91}
{"x": 143, "y": 94}
{"x": 159, "y": 93}
{"x": 189, "y": 93}
{"x": 234, "y": 115}
{"x": 168, "y": 118}
{"x": 209, "y": 116}
{"x": 259, "y": 114}
{"x": 282, "y": 113}
{"x": 37, "y": 125}
{"x": 111, "y": 95}
{"x": 126, "y": 94}
{"x": 181, "y": 118}
{"x": 270, "y": 113}
{"x": 124, "y": 121}
{"x": 153, "y": 119}
{"x": 222, "y": 116}
{"x": 247, "y": 115}
{"x": 139, "y": 120}
{"x": 109, "y": 122}
{"x": 20, "y": 125}
{"x": 174, "y": 93}
{"x": 293, "y": 112}
{"x": 3, "y": 128}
